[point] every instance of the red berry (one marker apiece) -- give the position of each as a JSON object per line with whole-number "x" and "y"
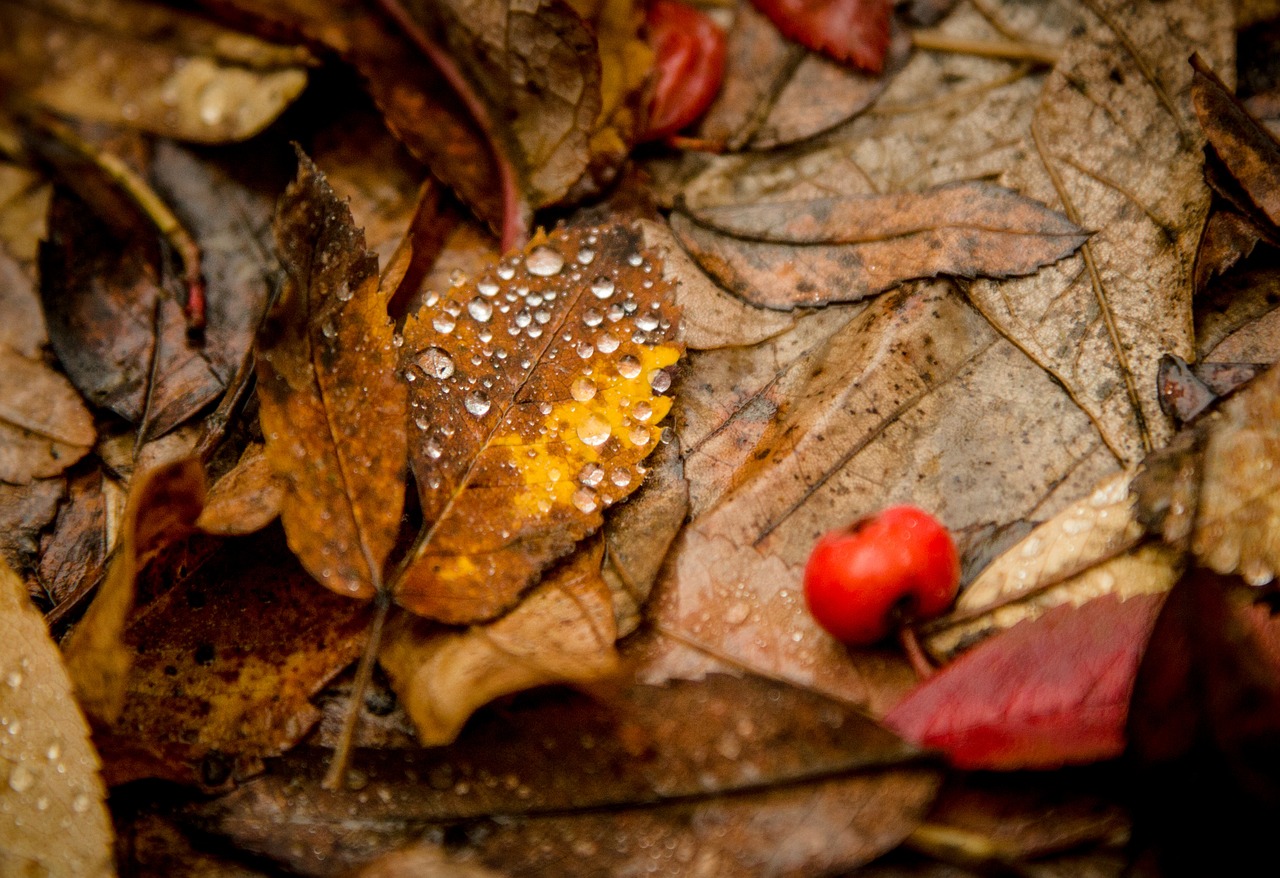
{"x": 689, "y": 50}
{"x": 863, "y": 580}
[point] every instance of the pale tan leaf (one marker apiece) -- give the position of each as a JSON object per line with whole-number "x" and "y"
{"x": 44, "y": 427}
{"x": 55, "y": 816}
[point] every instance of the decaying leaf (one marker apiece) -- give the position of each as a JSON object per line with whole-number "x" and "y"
{"x": 44, "y": 427}
{"x": 56, "y": 821}
{"x": 813, "y": 252}
{"x": 25, "y": 510}
{"x": 332, "y": 407}
{"x": 537, "y": 391}
{"x": 163, "y": 506}
{"x": 147, "y": 66}
{"x": 648, "y": 786}
{"x": 74, "y": 554}
{"x": 1047, "y": 692}
{"x": 246, "y": 499}
{"x": 561, "y": 632}
{"x": 1092, "y": 548}
{"x": 1113, "y": 143}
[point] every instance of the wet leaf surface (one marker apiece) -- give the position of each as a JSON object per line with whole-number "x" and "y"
{"x": 51, "y": 769}
{"x": 537, "y": 388}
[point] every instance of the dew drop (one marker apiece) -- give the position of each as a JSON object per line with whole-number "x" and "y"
{"x": 54, "y": 751}
{"x": 80, "y": 803}
{"x": 435, "y": 363}
{"x": 582, "y": 389}
{"x": 544, "y": 408}
{"x": 594, "y": 430}
{"x": 647, "y": 322}
{"x": 480, "y": 309}
{"x": 606, "y": 343}
{"x": 21, "y": 779}
{"x": 506, "y": 272}
{"x": 397, "y": 340}
{"x": 585, "y": 500}
{"x": 620, "y": 477}
{"x": 457, "y": 277}
{"x": 13, "y": 679}
{"x": 586, "y": 256}
{"x": 488, "y": 287}
{"x": 585, "y": 350}
{"x": 660, "y": 380}
{"x": 523, "y": 318}
{"x": 443, "y": 323}
{"x": 593, "y": 317}
{"x": 328, "y": 330}
{"x": 629, "y": 367}
{"x": 544, "y": 262}
{"x": 634, "y": 260}
{"x": 591, "y": 475}
{"x": 476, "y": 402}
{"x": 535, "y": 331}
{"x": 642, "y": 411}
{"x": 640, "y": 436}
{"x": 433, "y": 448}
{"x": 542, "y": 315}
{"x": 616, "y": 313}
{"x": 602, "y": 287}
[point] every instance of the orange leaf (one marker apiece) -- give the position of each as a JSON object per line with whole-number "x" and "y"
{"x": 536, "y": 393}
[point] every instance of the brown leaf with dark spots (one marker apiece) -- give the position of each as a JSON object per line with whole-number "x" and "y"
{"x": 789, "y": 254}
{"x": 44, "y": 427}
{"x": 537, "y": 391}
{"x": 163, "y": 506}
{"x": 797, "y": 784}
{"x": 332, "y": 407}
{"x": 225, "y": 663}
{"x": 563, "y": 631}
{"x": 1248, "y": 150}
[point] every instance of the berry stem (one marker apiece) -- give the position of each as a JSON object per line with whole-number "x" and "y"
{"x": 915, "y": 653}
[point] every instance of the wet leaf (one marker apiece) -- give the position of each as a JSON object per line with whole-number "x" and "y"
{"x": 225, "y": 661}
{"x": 561, "y": 632}
{"x": 847, "y": 30}
{"x": 44, "y": 427}
{"x": 150, "y": 67}
{"x": 1047, "y": 692}
{"x": 332, "y": 408}
{"x": 537, "y": 390}
{"x": 1249, "y": 151}
{"x": 642, "y": 771}
{"x": 52, "y": 788}
{"x": 813, "y": 252}
{"x": 163, "y": 506}
{"x": 1113, "y": 144}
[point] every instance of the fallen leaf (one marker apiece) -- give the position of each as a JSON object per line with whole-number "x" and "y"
{"x": 689, "y": 49}
{"x": 563, "y": 631}
{"x": 1249, "y": 151}
{"x": 1112, "y": 142}
{"x": 25, "y": 510}
{"x": 332, "y": 407}
{"x": 844, "y": 788}
{"x": 813, "y": 252}
{"x": 149, "y": 67}
{"x": 24, "y": 201}
{"x": 847, "y": 30}
{"x": 74, "y": 554}
{"x": 537, "y": 390}
{"x": 1228, "y": 237}
{"x": 225, "y": 661}
{"x": 163, "y": 506}
{"x": 44, "y": 427}
{"x": 246, "y": 499}
{"x": 1048, "y": 692}
{"x": 51, "y": 768}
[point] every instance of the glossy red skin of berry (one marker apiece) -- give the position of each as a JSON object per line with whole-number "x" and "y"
{"x": 689, "y": 54}
{"x": 863, "y": 580}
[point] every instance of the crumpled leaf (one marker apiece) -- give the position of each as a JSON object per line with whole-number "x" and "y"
{"x": 847, "y": 30}
{"x": 1048, "y": 692}
{"x": 44, "y": 427}
{"x": 813, "y": 252}
{"x": 1092, "y": 548}
{"x": 563, "y": 631}
{"x": 163, "y": 506}
{"x": 769, "y": 780}
{"x": 1249, "y": 152}
{"x": 1112, "y": 142}
{"x": 146, "y": 66}
{"x": 56, "y": 821}
{"x": 332, "y": 407}
{"x": 537, "y": 390}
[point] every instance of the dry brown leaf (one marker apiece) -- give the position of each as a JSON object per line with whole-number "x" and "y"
{"x": 563, "y": 631}
{"x": 537, "y": 391}
{"x": 246, "y": 499}
{"x": 25, "y": 510}
{"x": 163, "y": 506}
{"x": 1091, "y": 548}
{"x": 1113, "y": 144}
{"x": 56, "y": 821}
{"x": 813, "y": 252}
{"x": 149, "y": 67}
{"x": 24, "y": 202}
{"x": 74, "y": 554}
{"x": 44, "y": 427}
{"x": 332, "y": 407}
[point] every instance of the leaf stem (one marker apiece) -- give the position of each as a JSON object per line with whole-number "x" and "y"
{"x": 1037, "y": 53}
{"x": 335, "y": 777}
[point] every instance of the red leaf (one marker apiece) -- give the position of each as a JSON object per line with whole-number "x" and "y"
{"x": 847, "y": 30}
{"x": 689, "y": 50}
{"x": 1045, "y": 693}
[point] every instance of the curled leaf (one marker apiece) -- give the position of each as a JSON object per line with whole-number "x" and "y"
{"x": 44, "y": 427}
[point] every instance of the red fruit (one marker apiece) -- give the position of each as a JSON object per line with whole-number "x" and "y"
{"x": 846, "y": 30}
{"x": 689, "y": 50}
{"x": 863, "y": 580}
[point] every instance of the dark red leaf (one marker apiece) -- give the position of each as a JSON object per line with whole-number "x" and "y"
{"x": 847, "y": 30}
{"x": 1045, "y": 693}
{"x": 689, "y": 54}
